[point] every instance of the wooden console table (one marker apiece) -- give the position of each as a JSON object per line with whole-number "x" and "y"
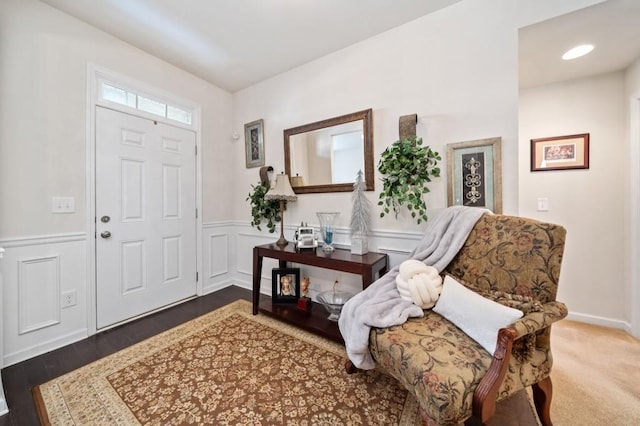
{"x": 366, "y": 265}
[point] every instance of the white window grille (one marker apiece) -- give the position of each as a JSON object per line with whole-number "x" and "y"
{"x": 143, "y": 103}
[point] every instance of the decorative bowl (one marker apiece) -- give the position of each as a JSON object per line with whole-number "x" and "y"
{"x": 333, "y": 301}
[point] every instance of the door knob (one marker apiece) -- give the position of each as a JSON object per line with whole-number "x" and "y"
{"x": 105, "y": 234}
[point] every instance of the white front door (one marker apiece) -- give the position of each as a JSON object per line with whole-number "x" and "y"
{"x": 145, "y": 215}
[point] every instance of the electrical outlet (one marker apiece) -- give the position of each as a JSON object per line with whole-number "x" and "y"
{"x": 69, "y": 298}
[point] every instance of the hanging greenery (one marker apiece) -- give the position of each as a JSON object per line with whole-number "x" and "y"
{"x": 262, "y": 209}
{"x": 407, "y": 167}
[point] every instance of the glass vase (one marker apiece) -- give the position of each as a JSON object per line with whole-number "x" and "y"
{"x": 327, "y": 228}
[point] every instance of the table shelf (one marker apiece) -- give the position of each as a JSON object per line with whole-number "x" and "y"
{"x": 369, "y": 266}
{"x": 315, "y": 321}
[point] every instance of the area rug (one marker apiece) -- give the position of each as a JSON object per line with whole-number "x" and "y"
{"x": 231, "y": 367}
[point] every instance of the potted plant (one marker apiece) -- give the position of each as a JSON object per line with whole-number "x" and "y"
{"x": 407, "y": 167}
{"x": 262, "y": 209}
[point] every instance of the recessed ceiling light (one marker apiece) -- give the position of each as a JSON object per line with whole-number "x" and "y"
{"x": 577, "y": 51}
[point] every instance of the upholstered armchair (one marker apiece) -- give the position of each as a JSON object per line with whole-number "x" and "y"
{"x": 510, "y": 260}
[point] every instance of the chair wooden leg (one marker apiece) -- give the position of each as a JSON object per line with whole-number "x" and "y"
{"x": 542, "y": 392}
{"x": 349, "y": 367}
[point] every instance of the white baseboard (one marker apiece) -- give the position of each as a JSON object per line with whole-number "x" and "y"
{"x": 44, "y": 347}
{"x": 215, "y": 287}
{"x": 4, "y": 409}
{"x": 602, "y": 321}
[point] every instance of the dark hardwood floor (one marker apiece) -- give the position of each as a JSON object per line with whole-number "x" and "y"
{"x": 20, "y": 378}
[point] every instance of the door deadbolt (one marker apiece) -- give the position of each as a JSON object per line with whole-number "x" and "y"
{"x": 105, "y": 219}
{"x": 105, "y": 234}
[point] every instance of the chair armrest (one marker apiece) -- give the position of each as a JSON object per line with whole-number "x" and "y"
{"x": 484, "y": 397}
{"x": 536, "y": 321}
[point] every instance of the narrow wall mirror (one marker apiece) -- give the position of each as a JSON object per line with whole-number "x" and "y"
{"x": 326, "y": 156}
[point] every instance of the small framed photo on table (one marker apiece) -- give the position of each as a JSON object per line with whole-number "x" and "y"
{"x": 285, "y": 285}
{"x": 560, "y": 153}
{"x": 254, "y": 143}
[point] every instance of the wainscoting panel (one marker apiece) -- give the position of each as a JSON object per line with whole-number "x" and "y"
{"x": 38, "y": 293}
{"x": 37, "y": 271}
{"x": 396, "y": 256}
{"x": 216, "y": 256}
{"x": 246, "y": 240}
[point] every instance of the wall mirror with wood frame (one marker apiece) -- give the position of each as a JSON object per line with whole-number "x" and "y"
{"x": 326, "y": 156}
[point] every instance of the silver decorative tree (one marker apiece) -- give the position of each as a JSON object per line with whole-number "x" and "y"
{"x": 360, "y": 217}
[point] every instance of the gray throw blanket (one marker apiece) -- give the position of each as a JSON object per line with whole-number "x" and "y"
{"x": 380, "y": 304}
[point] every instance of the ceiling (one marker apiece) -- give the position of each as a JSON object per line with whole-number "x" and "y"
{"x": 234, "y": 44}
{"x": 613, "y": 27}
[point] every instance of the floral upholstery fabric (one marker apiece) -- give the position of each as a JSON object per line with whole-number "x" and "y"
{"x": 514, "y": 261}
{"x": 513, "y": 255}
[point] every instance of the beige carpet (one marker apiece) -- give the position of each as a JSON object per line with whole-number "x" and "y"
{"x": 596, "y": 376}
{"x": 230, "y": 367}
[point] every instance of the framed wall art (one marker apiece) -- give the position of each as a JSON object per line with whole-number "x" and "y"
{"x": 560, "y": 153}
{"x": 474, "y": 174}
{"x": 254, "y": 143}
{"x": 285, "y": 285}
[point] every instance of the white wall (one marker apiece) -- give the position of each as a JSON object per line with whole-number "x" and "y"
{"x": 589, "y": 203}
{"x": 456, "y": 68}
{"x": 632, "y": 78}
{"x": 43, "y": 119}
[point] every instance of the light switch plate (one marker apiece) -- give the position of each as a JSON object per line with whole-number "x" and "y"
{"x": 63, "y": 205}
{"x": 543, "y": 204}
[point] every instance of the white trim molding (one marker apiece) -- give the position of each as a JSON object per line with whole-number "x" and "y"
{"x": 42, "y": 239}
{"x": 4, "y": 409}
{"x": 634, "y": 216}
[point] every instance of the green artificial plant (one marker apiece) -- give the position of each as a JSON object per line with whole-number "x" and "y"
{"x": 262, "y": 209}
{"x": 407, "y": 167}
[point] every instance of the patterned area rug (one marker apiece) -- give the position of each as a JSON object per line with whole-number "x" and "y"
{"x": 229, "y": 367}
{"x": 226, "y": 367}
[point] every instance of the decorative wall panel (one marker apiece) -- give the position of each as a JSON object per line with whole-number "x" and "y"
{"x": 218, "y": 255}
{"x": 38, "y": 293}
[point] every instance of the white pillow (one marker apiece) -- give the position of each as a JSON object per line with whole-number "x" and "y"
{"x": 479, "y": 317}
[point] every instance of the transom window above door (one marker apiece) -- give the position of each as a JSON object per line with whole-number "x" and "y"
{"x": 112, "y": 93}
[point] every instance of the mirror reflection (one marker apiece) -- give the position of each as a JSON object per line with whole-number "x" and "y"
{"x": 326, "y": 156}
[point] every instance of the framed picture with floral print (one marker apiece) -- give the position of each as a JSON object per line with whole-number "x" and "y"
{"x": 560, "y": 153}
